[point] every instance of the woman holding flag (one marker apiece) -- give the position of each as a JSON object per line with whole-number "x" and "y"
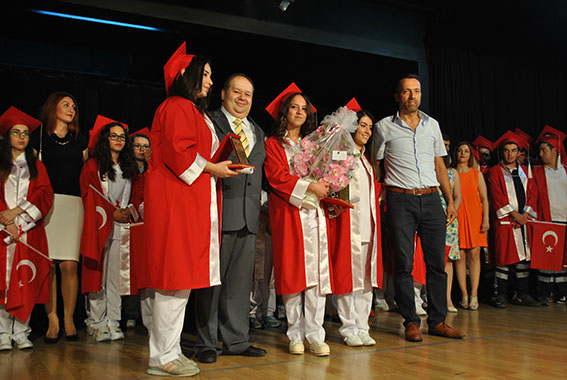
{"x": 106, "y": 180}
{"x": 25, "y": 197}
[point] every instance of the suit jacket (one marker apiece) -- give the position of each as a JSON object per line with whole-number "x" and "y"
{"x": 241, "y": 194}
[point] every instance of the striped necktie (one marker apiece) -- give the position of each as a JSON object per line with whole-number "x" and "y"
{"x": 240, "y": 132}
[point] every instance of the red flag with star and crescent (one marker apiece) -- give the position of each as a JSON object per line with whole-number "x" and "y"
{"x": 547, "y": 245}
{"x": 29, "y": 282}
{"x": 97, "y": 224}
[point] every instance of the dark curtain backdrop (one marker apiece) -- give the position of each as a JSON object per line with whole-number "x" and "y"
{"x": 487, "y": 83}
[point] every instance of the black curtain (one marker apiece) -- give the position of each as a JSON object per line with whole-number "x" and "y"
{"x": 484, "y": 81}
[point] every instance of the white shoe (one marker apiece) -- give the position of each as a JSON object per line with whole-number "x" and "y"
{"x": 420, "y": 310}
{"x": 320, "y": 349}
{"x": 175, "y": 368}
{"x": 5, "y": 342}
{"x": 22, "y": 342}
{"x": 452, "y": 309}
{"x": 130, "y": 324}
{"x": 115, "y": 333}
{"x": 353, "y": 340}
{"x": 90, "y": 330}
{"x": 366, "y": 339}
{"x": 101, "y": 334}
{"x": 296, "y": 347}
{"x": 382, "y": 304}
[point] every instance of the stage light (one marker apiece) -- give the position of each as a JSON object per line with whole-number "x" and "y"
{"x": 97, "y": 20}
{"x": 284, "y": 4}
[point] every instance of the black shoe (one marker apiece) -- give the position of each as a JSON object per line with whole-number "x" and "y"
{"x": 524, "y": 300}
{"x": 499, "y": 302}
{"x": 250, "y": 351}
{"x": 544, "y": 301}
{"x": 207, "y": 356}
{"x": 561, "y": 299}
{"x": 72, "y": 338}
{"x": 48, "y": 340}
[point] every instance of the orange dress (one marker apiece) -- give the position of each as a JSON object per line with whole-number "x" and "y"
{"x": 470, "y": 212}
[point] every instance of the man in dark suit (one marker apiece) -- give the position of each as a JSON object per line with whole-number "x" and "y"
{"x": 224, "y": 309}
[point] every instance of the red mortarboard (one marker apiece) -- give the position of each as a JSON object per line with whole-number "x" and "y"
{"x": 482, "y": 141}
{"x": 353, "y": 105}
{"x": 143, "y": 131}
{"x": 178, "y": 61}
{"x": 274, "y": 107}
{"x": 14, "y": 116}
{"x": 556, "y": 138}
{"x": 511, "y": 137}
{"x": 99, "y": 124}
{"x": 526, "y": 136}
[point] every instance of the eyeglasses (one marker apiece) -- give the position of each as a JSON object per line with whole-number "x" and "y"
{"x": 23, "y": 134}
{"x": 141, "y": 147}
{"x": 114, "y": 136}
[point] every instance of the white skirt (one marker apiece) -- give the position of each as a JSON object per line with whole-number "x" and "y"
{"x": 64, "y": 226}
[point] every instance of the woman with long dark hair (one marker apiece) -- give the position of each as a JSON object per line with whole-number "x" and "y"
{"x": 181, "y": 207}
{"x": 357, "y": 249}
{"x": 63, "y": 150}
{"x": 299, "y": 237}
{"x": 25, "y": 198}
{"x": 109, "y": 172}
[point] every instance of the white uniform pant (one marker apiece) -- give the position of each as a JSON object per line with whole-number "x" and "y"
{"x": 305, "y": 312}
{"x": 167, "y": 325}
{"x": 13, "y": 326}
{"x": 354, "y": 308}
{"x": 104, "y": 305}
{"x": 146, "y": 306}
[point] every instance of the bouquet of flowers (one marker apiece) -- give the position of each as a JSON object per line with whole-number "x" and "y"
{"x": 328, "y": 154}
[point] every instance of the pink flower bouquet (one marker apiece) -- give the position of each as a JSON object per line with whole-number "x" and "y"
{"x": 328, "y": 154}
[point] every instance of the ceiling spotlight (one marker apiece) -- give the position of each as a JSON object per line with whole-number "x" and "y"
{"x": 284, "y": 4}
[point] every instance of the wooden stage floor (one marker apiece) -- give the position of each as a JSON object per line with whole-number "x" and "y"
{"x": 516, "y": 343}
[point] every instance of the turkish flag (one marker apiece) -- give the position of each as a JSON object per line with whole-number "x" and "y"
{"x": 29, "y": 282}
{"x": 97, "y": 224}
{"x": 139, "y": 265}
{"x": 547, "y": 245}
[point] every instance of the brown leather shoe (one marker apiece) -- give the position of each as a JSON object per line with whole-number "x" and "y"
{"x": 412, "y": 332}
{"x": 443, "y": 329}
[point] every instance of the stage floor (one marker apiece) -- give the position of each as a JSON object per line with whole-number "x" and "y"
{"x": 515, "y": 343}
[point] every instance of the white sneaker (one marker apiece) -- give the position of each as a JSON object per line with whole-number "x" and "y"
{"x": 176, "y": 368}
{"x": 382, "y": 304}
{"x": 5, "y": 342}
{"x": 366, "y": 339}
{"x": 101, "y": 334}
{"x": 320, "y": 349}
{"x": 420, "y": 310}
{"x": 353, "y": 340}
{"x": 296, "y": 347}
{"x": 22, "y": 342}
{"x": 130, "y": 324}
{"x": 115, "y": 333}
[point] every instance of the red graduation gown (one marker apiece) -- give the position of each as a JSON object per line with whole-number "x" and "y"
{"x": 181, "y": 214}
{"x": 508, "y": 241}
{"x": 287, "y": 229}
{"x": 40, "y": 194}
{"x": 344, "y": 242}
{"x": 543, "y": 208}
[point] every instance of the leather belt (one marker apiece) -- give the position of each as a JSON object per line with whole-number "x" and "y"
{"x": 427, "y": 190}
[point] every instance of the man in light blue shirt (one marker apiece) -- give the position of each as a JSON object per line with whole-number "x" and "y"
{"x": 411, "y": 145}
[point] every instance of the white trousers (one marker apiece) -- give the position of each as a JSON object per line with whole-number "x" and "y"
{"x": 354, "y": 308}
{"x": 167, "y": 325}
{"x": 305, "y": 312}
{"x": 146, "y": 306}
{"x": 104, "y": 305}
{"x": 13, "y": 326}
